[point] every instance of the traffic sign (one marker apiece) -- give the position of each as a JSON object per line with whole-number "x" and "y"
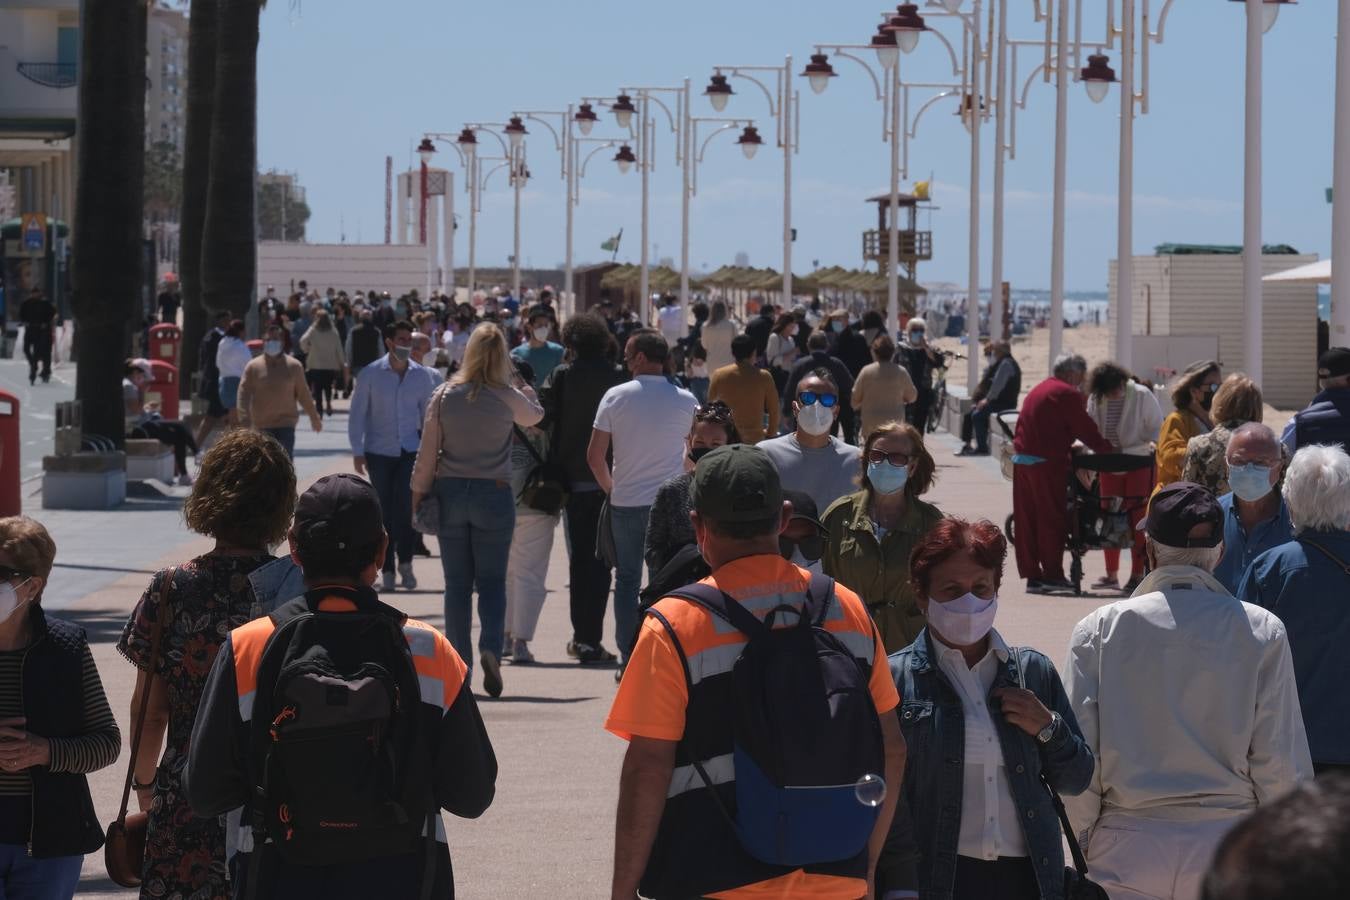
{"x": 33, "y": 233}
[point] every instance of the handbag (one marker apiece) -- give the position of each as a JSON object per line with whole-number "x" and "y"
{"x": 1077, "y": 885}
{"x": 426, "y": 516}
{"x": 541, "y": 493}
{"x": 124, "y": 843}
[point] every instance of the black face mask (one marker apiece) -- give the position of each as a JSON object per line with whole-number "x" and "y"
{"x": 697, "y": 453}
{"x": 811, "y": 548}
{"x": 1207, "y": 400}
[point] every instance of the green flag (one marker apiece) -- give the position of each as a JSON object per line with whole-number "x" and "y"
{"x": 610, "y": 245}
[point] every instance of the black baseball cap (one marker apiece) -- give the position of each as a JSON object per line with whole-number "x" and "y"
{"x": 339, "y": 512}
{"x": 803, "y": 507}
{"x": 1177, "y": 509}
{"x": 1334, "y": 362}
{"x": 736, "y": 483}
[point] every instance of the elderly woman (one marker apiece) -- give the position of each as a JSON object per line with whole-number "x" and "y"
{"x": 1128, "y": 416}
{"x": 55, "y": 727}
{"x": 883, "y": 388}
{"x": 1192, "y": 400}
{"x": 243, "y": 499}
{"x": 1305, "y": 582}
{"x": 668, "y": 525}
{"x": 1236, "y": 402}
{"x": 984, "y": 723}
{"x": 869, "y": 535}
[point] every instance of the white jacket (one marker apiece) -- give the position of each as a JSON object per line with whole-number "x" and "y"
{"x": 1140, "y": 420}
{"x": 1187, "y": 696}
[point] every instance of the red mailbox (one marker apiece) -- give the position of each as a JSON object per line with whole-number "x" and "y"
{"x": 165, "y": 339}
{"x": 163, "y": 386}
{"x": 11, "y": 501}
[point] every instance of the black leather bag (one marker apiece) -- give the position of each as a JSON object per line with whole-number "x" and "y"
{"x": 542, "y": 492}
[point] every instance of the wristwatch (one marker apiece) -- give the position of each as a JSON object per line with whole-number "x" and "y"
{"x": 1048, "y": 732}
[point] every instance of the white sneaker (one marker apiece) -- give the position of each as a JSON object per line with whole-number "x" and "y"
{"x": 388, "y": 581}
{"x": 184, "y": 480}
{"x": 520, "y": 653}
{"x": 409, "y": 579}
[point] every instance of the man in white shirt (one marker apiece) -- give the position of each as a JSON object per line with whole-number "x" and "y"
{"x": 647, "y": 420}
{"x": 1188, "y": 697}
{"x": 671, "y": 319}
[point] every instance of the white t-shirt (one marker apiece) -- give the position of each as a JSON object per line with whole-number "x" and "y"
{"x": 673, "y": 326}
{"x": 648, "y": 419}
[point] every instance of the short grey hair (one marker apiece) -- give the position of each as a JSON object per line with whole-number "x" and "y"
{"x": 1069, "y": 362}
{"x": 1206, "y": 558}
{"x": 1263, "y": 434}
{"x": 1317, "y": 488}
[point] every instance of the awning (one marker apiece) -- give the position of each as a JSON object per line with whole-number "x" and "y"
{"x": 1313, "y": 273}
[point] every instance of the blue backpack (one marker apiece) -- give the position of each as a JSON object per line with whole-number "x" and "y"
{"x": 808, "y": 749}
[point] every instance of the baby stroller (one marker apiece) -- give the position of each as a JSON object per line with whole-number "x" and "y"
{"x": 1097, "y": 522}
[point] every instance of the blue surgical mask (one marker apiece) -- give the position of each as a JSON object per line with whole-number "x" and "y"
{"x": 836, "y": 326}
{"x": 1250, "y": 482}
{"x": 886, "y": 478}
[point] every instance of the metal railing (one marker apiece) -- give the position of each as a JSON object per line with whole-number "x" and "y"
{"x": 53, "y": 75}
{"x": 914, "y": 245}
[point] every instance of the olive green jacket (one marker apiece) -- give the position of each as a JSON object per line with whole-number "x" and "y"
{"x": 878, "y": 571}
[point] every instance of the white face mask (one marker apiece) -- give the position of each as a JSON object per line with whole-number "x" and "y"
{"x": 9, "y": 600}
{"x": 815, "y": 419}
{"x": 272, "y": 348}
{"x": 541, "y": 333}
{"x": 965, "y": 620}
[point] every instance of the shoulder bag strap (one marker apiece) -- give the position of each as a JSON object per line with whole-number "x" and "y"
{"x": 156, "y": 635}
{"x": 524, "y": 439}
{"x": 1340, "y": 563}
{"x": 818, "y": 597}
{"x": 1079, "y": 860}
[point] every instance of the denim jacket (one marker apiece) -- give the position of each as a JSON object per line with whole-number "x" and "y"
{"x": 922, "y": 844}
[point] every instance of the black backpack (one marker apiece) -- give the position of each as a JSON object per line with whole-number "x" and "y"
{"x": 685, "y": 567}
{"x": 808, "y": 752}
{"x": 340, "y": 771}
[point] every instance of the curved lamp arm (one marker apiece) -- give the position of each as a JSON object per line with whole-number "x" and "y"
{"x": 500, "y": 140}
{"x": 914, "y": 124}
{"x": 446, "y": 139}
{"x": 737, "y": 72}
{"x": 581, "y": 172}
{"x": 842, "y": 51}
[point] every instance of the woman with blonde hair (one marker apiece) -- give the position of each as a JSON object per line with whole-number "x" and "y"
{"x": 243, "y": 499}
{"x": 869, "y": 535}
{"x": 1237, "y": 402}
{"x": 1192, "y": 399}
{"x": 465, "y": 459}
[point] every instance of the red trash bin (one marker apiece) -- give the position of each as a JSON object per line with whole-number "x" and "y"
{"x": 163, "y": 386}
{"x": 11, "y": 500}
{"x": 165, "y": 339}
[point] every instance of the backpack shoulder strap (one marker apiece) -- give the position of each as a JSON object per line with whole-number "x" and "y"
{"x": 1340, "y": 563}
{"x": 724, "y": 606}
{"x": 819, "y": 595}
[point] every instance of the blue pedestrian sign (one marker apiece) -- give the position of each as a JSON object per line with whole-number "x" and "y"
{"x": 33, "y": 233}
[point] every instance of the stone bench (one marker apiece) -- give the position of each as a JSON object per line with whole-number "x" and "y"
{"x": 955, "y": 409}
{"x": 149, "y": 459}
{"x": 84, "y": 481}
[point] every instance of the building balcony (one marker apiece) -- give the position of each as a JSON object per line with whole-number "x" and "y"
{"x": 915, "y": 246}
{"x": 52, "y": 75}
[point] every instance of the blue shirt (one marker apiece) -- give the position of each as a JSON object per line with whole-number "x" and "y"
{"x": 387, "y": 411}
{"x": 542, "y": 359}
{"x": 1307, "y": 590}
{"x": 1240, "y": 549}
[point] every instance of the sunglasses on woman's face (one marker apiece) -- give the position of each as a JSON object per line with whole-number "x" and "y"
{"x": 8, "y": 573}
{"x": 806, "y": 398}
{"x": 899, "y": 458}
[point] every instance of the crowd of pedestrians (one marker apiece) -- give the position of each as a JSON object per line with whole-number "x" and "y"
{"x": 815, "y": 697}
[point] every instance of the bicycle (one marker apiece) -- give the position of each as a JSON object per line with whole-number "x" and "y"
{"x": 939, "y": 402}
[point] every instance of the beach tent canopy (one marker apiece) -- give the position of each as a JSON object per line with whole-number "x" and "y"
{"x": 1313, "y": 273}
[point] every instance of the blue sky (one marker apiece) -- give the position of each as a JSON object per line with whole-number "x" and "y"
{"x": 343, "y": 84}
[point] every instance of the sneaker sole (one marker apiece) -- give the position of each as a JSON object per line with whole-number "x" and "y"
{"x": 492, "y": 675}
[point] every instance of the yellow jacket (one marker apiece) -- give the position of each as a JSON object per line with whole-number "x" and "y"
{"x": 1177, "y": 430}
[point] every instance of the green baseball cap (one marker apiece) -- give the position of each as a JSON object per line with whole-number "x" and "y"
{"x": 736, "y": 483}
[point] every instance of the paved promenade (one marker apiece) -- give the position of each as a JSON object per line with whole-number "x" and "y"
{"x": 550, "y": 831}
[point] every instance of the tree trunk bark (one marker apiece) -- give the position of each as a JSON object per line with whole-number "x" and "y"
{"x": 196, "y": 170}
{"x": 107, "y": 272}
{"x": 229, "y": 236}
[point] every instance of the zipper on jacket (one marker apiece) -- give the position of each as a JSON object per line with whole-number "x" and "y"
{"x": 32, "y": 784}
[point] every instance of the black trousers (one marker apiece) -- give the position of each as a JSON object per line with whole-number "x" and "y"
{"x": 1006, "y": 878}
{"x": 37, "y": 346}
{"x": 918, "y": 411}
{"x": 321, "y": 386}
{"x": 176, "y": 434}
{"x": 588, "y": 577}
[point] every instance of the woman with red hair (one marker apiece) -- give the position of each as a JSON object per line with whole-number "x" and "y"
{"x": 984, "y": 724}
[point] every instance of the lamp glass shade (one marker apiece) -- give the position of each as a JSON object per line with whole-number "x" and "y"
{"x": 1270, "y": 11}
{"x": 887, "y": 55}
{"x": 819, "y": 82}
{"x": 624, "y": 166}
{"x": 749, "y": 148}
{"x": 718, "y": 99}
{"x": 425, "y": 156}
{"x": 585, "y": 125}
{"x": 1097, "y": 90}
{"x": 906, "y": 39}
{"x": 951, "y": 5}
{"x": 516, "y": 137}
{"x": 624, "y": 117}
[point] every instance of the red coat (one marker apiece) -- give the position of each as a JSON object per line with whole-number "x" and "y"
{"x": 1053, "y": 416}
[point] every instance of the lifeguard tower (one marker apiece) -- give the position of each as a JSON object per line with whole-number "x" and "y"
{"x": 915, "y": 246}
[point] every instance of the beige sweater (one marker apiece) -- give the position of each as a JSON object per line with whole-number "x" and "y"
{"x": 270, "y": 390}
{"x": 880, "y": 394}
{"x": 323, "y": 350}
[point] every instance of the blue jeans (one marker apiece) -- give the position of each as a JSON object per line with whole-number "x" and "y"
{"x": 630, "y": 534}
{"x": 286, "y": 438}
{"x": 25, "y": 878}
{"x": 699, "y": 388}
{"x": 391, "y": 476}
{"x": 478, "y": 517}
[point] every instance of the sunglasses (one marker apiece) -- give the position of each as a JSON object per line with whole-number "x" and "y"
{"x": 806, "y": 398}
{"x": 7, "y": 573}
{"x": 812, "y": 548}
{"x": 899, "y": 459}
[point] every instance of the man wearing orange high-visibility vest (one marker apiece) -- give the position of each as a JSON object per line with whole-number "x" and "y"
{"x": 336, "y": 729}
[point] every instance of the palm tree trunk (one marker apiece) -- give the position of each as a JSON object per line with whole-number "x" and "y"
{"x": 107, "y": 277}
{"x": 196, "y": 169}
{"x": 229, "y": 237}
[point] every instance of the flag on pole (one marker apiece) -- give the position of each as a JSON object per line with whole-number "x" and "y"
{"x": 611, "y": 245}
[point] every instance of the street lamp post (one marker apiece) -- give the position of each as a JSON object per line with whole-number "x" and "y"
{"x": 785, "y": 108}
{"x": 624, "y": 109}
{"x": 513, "y": 152}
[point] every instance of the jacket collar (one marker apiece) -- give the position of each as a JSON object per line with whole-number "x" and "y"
{"x": 911, "y": 520}
{"x": 1184, "y": 577}
{"x": 365, "y": 599}
{"x": 924, "y": 657}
